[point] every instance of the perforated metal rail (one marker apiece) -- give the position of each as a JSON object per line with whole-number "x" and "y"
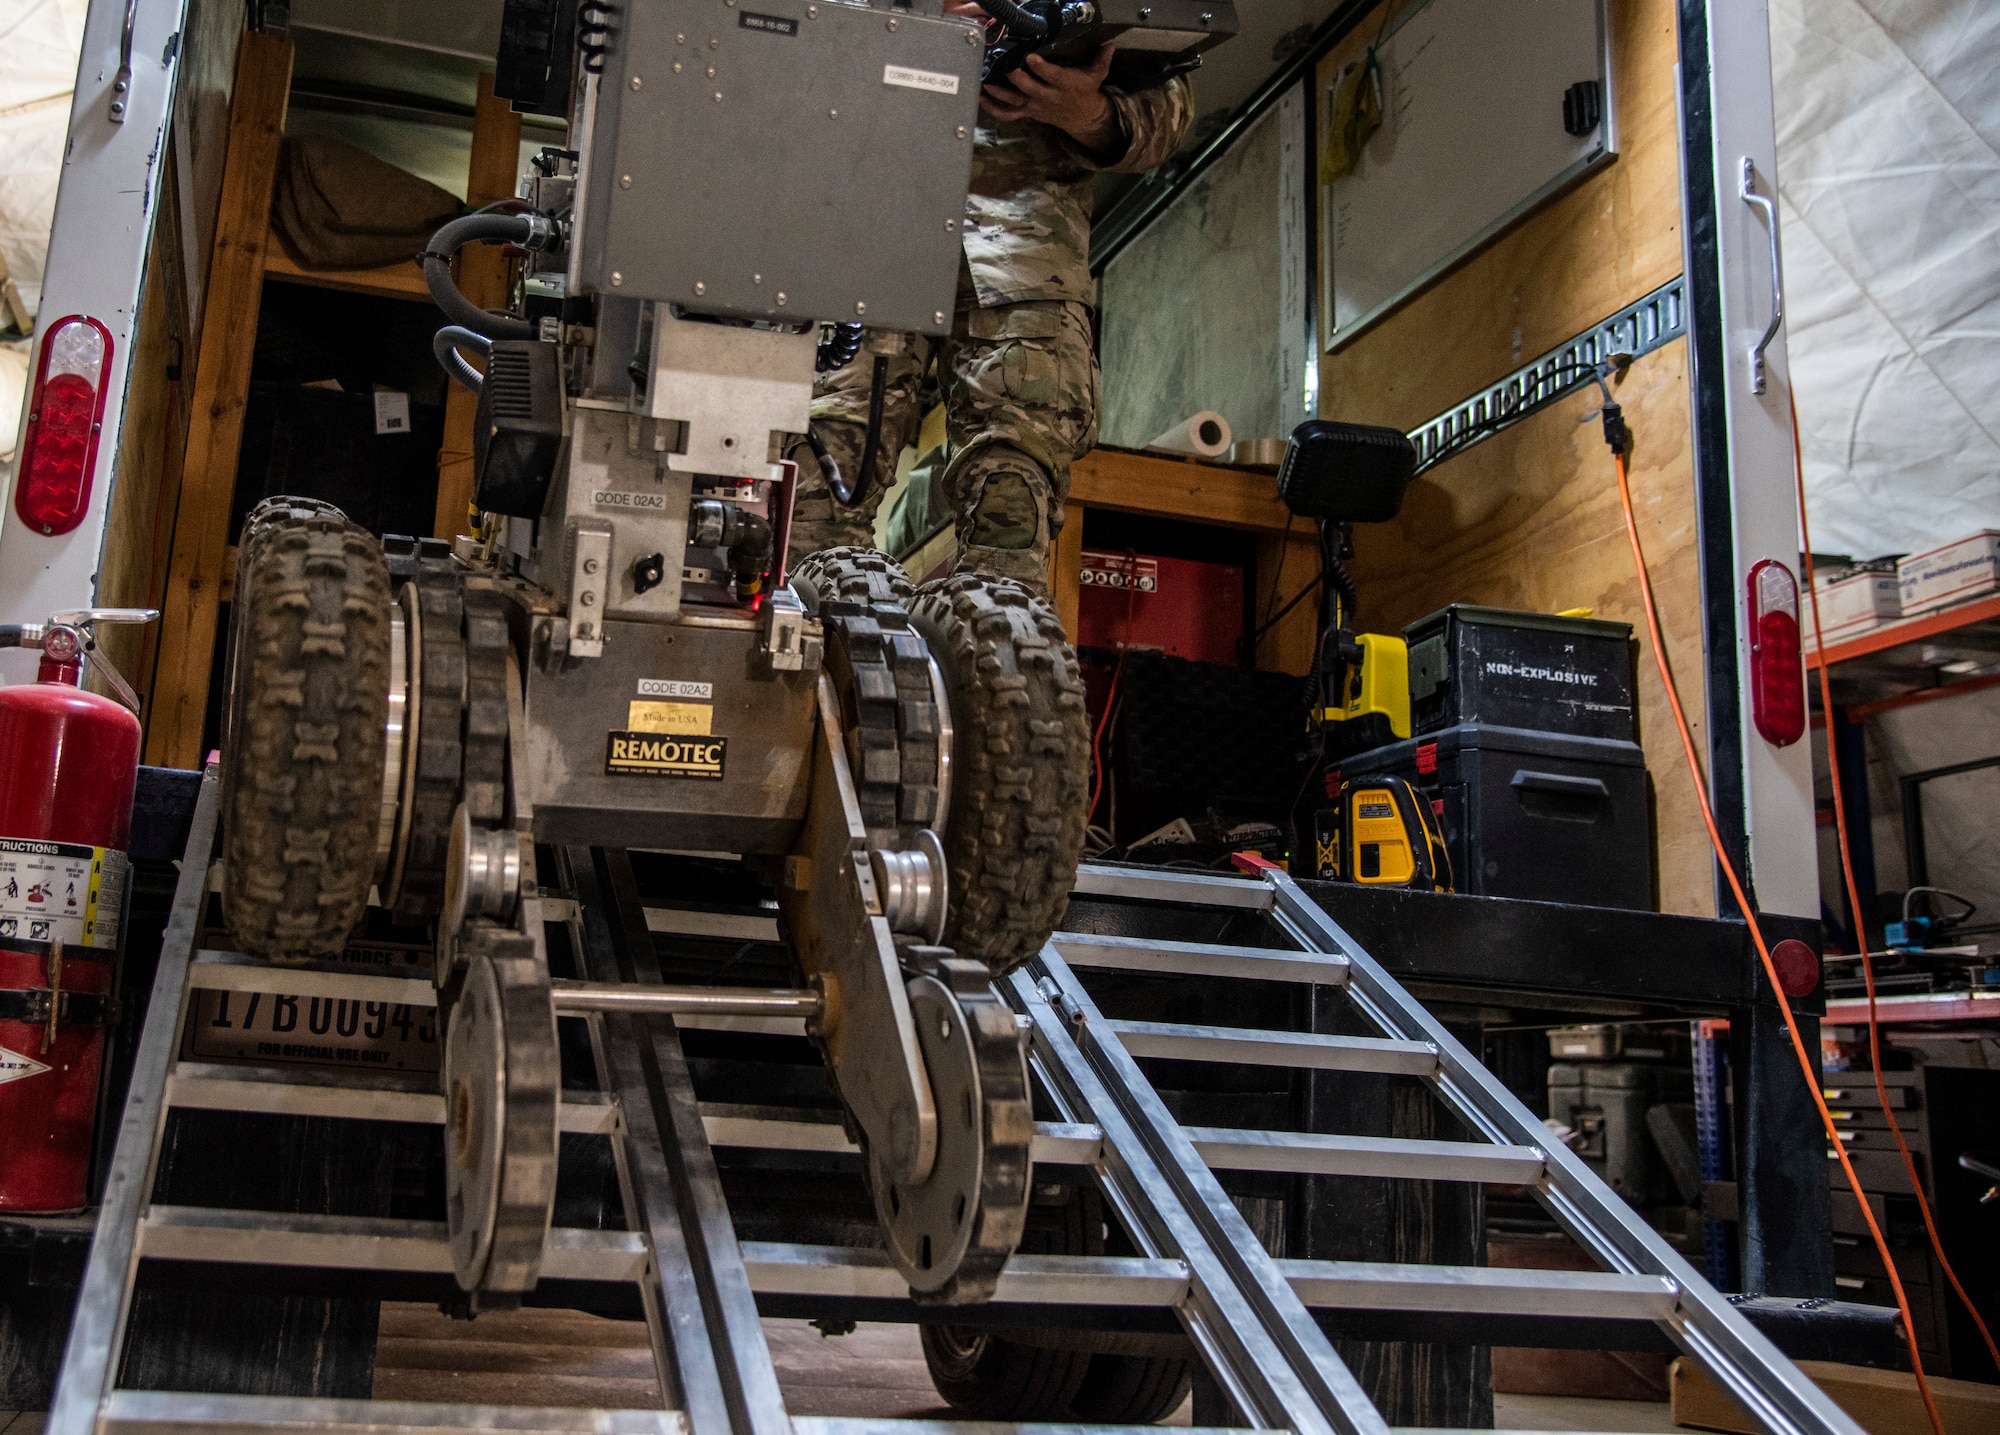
{"x": 1248, "y": 1315}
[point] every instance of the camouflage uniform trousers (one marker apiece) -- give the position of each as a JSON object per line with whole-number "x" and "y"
{"x": 1020, "y": 386}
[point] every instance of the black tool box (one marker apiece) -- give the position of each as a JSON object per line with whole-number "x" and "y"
{"x": 1540, "y": 815}
{"x": 1523, "y": 670}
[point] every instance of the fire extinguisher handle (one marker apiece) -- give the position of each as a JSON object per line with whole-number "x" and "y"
{"x": 67, "y": 637}
{"x": 84, "y": 617}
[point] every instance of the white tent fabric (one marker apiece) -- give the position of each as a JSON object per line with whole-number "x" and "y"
{"x": 1888, "y": 121}
{"x": 40, "y": 39}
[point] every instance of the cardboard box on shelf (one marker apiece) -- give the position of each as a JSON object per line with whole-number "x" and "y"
{"x": 1851, "y": 606}
{"x": 1954, "y": 573}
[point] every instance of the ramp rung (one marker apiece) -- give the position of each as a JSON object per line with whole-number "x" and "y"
{"x": 150, "y": 1412}
{"x": 129, "y": 1412}
{"x": 897, "y": 1425}
{"x": 1480, "y": 1290}
{"x": 397, "y": 1096}
{"x": 768, "y": 1129}
{"x": 1310, "y": 1153}
{"x": 1146, "y": 954}
{"x": 1304, "y": 1050}
{"x": 365, "y": 1243}
{"x": 682, "y": 921}
{"x": 781, "y": 1268}
{"x": 778, "y": 1268}
{"x": 729, "y": 926}
{"x": 266, "y": 1238}
{"x": 348, "y": 1095}
{"x": 1191, "y": 888}
{"x": 240, "y": 972}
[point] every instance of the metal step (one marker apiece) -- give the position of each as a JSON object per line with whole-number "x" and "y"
{"x": 1308, "y": 1153}
{"x": 1139, "y": 884}
{"x": 352, "y": 1096}
{"x": 366, "y": 1243}
{"x": 1192, "y": 959}
{"x": 159, "y": 1412}
{"x": 397, "y": 1096}
{"x": 1303, "y": 1050}
{"x": 238, "y": 972}
{"x": 260, "y": 1238}
{"x": 155, "y": 1412}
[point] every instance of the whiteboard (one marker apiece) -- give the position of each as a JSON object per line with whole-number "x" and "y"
{"x": 1471, "y": 140}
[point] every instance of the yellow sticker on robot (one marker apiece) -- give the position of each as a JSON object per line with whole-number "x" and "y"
{"x": 669, "y": 717}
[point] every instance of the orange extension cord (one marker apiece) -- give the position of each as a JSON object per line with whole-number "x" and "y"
{"x": 1854, "y": 908}
{"x": 1757, "y": 935}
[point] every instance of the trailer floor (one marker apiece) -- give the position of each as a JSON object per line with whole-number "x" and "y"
{"x": 561, "y": 1357}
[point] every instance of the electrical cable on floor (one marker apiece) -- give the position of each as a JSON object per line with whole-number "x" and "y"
{"x": 1619, "y": 438}
{"x": 1855, "y": 910}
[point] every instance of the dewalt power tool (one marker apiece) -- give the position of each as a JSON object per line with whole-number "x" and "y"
{"x": 1381, "y": 833}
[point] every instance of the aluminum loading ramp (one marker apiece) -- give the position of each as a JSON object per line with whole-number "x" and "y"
{"x": 1248, "y": 1316}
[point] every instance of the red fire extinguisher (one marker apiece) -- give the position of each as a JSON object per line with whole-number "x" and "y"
{"x": 68, "y": 763}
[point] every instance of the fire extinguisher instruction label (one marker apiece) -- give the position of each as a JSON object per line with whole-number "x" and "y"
{"x": 61, "y": 892}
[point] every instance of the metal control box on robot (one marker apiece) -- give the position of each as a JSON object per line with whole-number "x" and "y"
{"x": 745, "y": 731}
{"x": 848, "y": 132}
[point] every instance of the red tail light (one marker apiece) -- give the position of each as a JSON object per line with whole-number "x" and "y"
{"x": 65, "y": 417}
{"x": 1777, "y": 672}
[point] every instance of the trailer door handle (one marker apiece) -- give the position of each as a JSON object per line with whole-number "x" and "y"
{"x": 121, "y": 85}
{"x": 1750, "y": 196}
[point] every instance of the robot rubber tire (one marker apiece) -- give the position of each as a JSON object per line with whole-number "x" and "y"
{"x": 307, "y": 713}
{"x": 985, "y": 1375}
{"x": 862, "y": 574}
{"x": 1020, "y": 763}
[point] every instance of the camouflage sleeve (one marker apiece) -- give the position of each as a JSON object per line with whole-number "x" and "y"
{"x": 1157, "y": 120}
{"x": 1154, "y": 121}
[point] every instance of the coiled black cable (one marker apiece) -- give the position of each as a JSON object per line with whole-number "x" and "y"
{"x": 1015, "y": 18}
{"x": 490, "y": 229}
{"x": 593, "y": 34}
{"x": 849, "y": 493}
{"x": 839, "y": 344}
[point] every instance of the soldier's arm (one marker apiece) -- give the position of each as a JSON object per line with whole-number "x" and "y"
{"x": 1154, "y": 120}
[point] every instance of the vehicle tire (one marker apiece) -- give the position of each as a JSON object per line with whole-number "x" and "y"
{"x": 988, "y": 1377}
{"x": 308, "y": 708}
{"x": 861, "y": 574}
{"x": 1020, "y": 763}
{"x": 1131, "y": 1389}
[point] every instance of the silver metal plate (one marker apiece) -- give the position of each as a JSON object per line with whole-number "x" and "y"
{"x": 762, "y": 161}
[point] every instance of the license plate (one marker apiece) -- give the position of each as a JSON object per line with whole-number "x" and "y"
{"x": 267, "y": 1029}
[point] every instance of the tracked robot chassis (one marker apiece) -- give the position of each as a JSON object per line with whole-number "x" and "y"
{"x": 394, "y": 742}
{"x": 620, "y": 654}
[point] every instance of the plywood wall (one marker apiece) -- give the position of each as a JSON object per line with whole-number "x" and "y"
{"x": 1531, "y": 519}
{"x": 146, "y": 482}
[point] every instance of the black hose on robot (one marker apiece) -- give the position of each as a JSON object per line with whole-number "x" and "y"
{"x": 524, "y": 229}
{"x": 447, "y": 346}
{"x": 1020, "y": 21}
{"x": 849, "y": 494}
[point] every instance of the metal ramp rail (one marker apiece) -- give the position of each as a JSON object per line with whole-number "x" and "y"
{"x": 1248, "y": 1315}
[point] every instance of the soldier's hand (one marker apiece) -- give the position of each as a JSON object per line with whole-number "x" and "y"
{"x": 1069, "y": 97}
